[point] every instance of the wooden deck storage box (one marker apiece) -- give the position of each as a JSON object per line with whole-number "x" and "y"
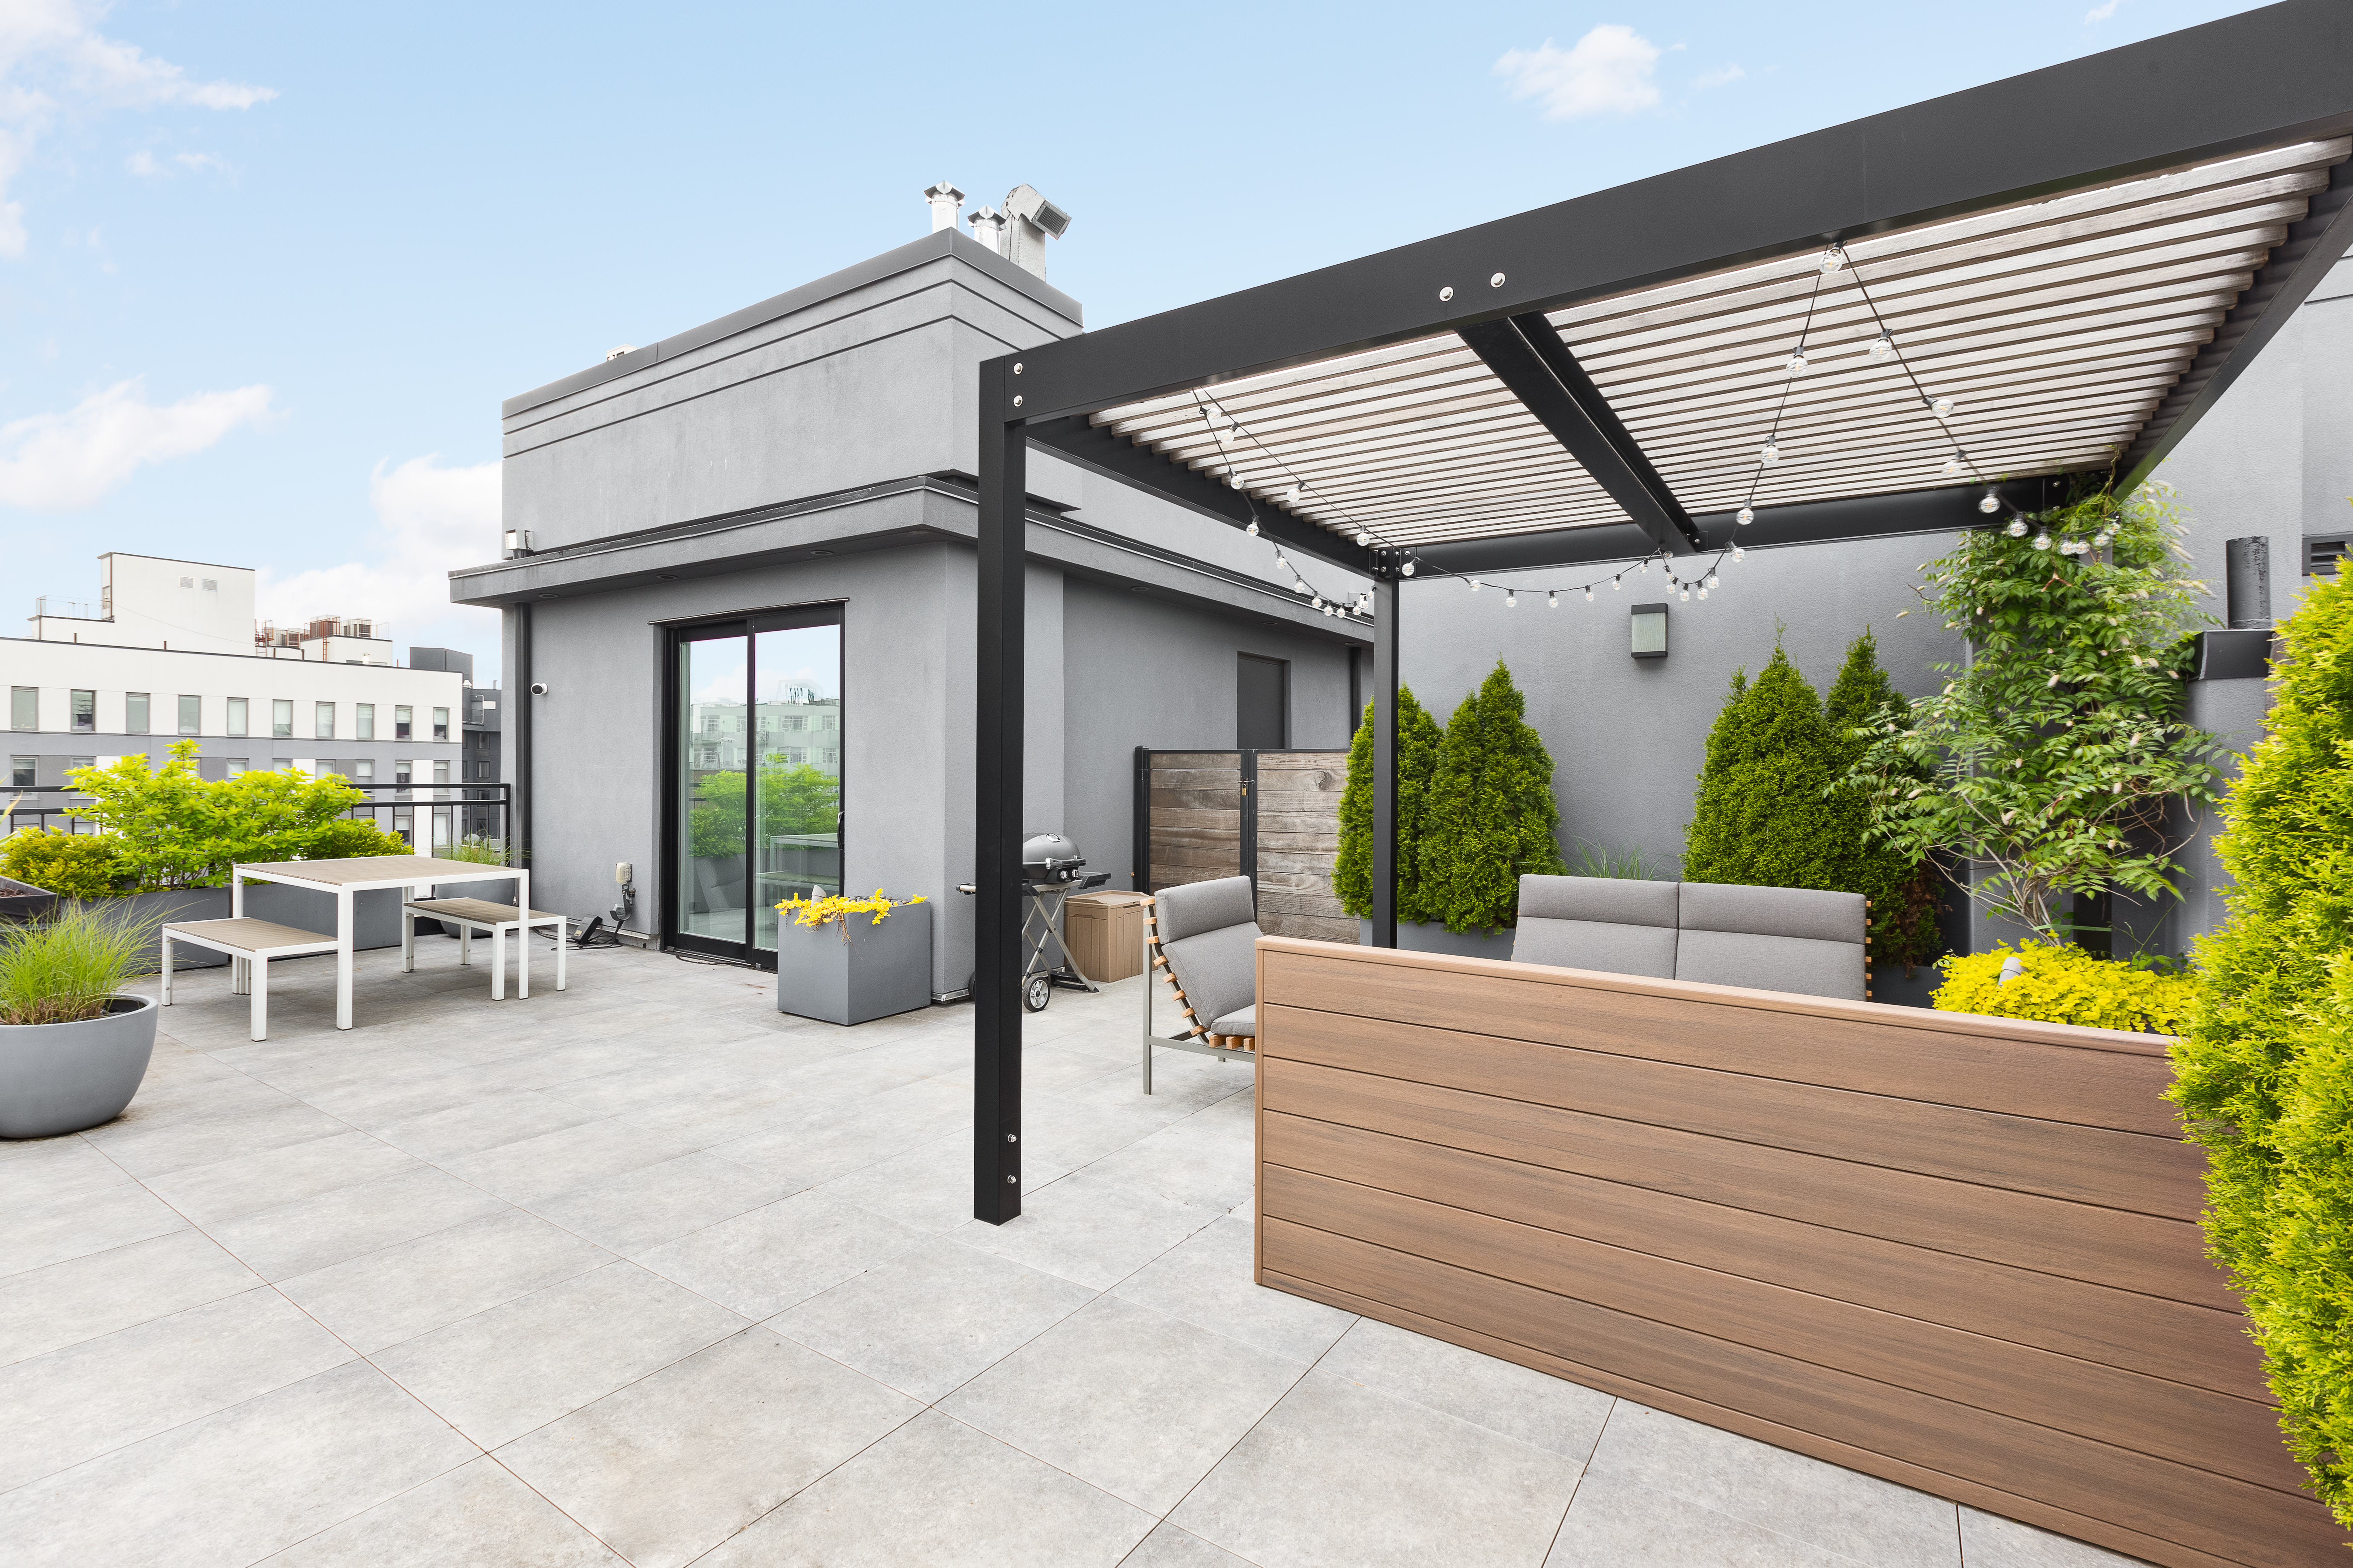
{"x": 1104, "y": 932}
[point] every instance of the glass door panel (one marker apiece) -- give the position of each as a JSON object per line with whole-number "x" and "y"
{"x": 714, "y": 765}
{"x": 796, "y": 729}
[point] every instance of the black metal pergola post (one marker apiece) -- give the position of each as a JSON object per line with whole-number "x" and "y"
{"x": 998, "y": 673}
{"x": 2255, "y": 83}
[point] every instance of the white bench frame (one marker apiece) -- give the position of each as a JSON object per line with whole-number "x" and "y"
{"x": 411, "y": 912}
{"x": 248, "y": 967}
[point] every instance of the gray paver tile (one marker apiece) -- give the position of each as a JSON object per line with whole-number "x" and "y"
{"x": 396, "y": 1293}
{"x": 1207, "y": 1281}
{"x": 52, "y": 1231}
{"x": 670, "y": 1465}
{"x": 760, "y": 1263}
{"x": 532, "y": 1168}
{"x": 643, "y": 1208}
{"x": 500, "y": 1373}
{"x": 45, "y": 1309}
{"x": 156, "y": 1146}
{"x": 1500, "y": 1395}
{"x": 1135, "y": 1403}
{"x": 1988, "y": 1541}
{"x": 928, "y": 1188}
{"x": 1090, "y": 1230}
{"x": 272, "y": 1178}
{"x": 317, "y": 1232}
{"x": 1616, "y": 1523}
{"x": 74, "y": 1403}
{"x": 935, "y": 1492}
{"x": 1336, "y": 1474}
{"x": 1169, "y": 1547}
{"x": 49, "y": 1169}
{"x": 481, "y": 1124}
{"x": 476, "y": 1515}
{"x": 238, "y": 1485}
{"x": 933, "y": 1318}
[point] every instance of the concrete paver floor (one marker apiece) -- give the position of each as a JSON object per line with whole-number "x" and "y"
{"x": 644, "y": 1272}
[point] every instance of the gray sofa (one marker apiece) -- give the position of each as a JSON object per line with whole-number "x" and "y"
{"x": 1767, "y": 938}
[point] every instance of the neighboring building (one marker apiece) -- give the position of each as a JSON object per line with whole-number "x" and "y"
{"x": 173, "y": 654}
{"x": 753, "y": 540}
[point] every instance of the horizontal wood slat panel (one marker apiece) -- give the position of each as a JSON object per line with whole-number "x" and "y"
{"x": 1316, "y": 928}
{"x": 2020, "y": 1077}
{"x": 2201, "y": 1345}
{"x": 1175, "y": 761}
{"x": 2191, "y": 1427}
{"x": 1960, "y": 1488}
{"x": 2231, "y": 1518}
{"x": 2090, "y": 1165}
{"x": 2132, "y": 1252}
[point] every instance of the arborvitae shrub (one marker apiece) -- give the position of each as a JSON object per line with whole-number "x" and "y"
{"x": 1901, "y": 886}
{"x": 1491, "y": 814}
{"x": 1352, "y": 873}
{"x": 1762, "y": 816}
{"x": 2264, "y": 1074}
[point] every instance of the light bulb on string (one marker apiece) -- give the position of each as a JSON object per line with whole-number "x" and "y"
{"x": 1474, "y": 582}
{"x": 2042, "y": 541}
{"x": 1944, "y": 408}
{"x": 1406, "y": 569}
{"x": 1511, "y": 600}
{"x": 1702, "y": 592}
{"x": 2100, "y": 540}
{"x": 1552, "y": 600}
{"x": 1880, "y": 348}
{"x": 1617, "y": 585}
{"x": 1738, "y": 553}
{"x": 1686, "y": 596}
{"x": 1745, "y": 516}
{"x": 1299, "y": 586}
{"x": 1990, "y": 504}
{"x": 1588, "y": 594}
{"x": 1645, "y": 567}
{"x": 1796, "y": 364}
{"x": 1833, "y": 259}
{"x": 1952, "y": 465}
{"x": 1292, "y": 497}
{"x": 2017, "y": 529}
{"x": 1251, "y": 528}
{"x": 1317, "y": 601}
{"x": 1771, "y": 453}
{"x": 1711, "y": 580}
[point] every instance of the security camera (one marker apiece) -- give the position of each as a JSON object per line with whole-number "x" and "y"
{"x": 539, "y": 688}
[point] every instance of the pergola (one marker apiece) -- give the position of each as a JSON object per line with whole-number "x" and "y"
{"x": 2068, "y": 267}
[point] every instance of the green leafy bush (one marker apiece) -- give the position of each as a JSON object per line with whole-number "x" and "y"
{"x": 2067, "y": 984}
{"x": 1901, "y": 886}
{"x": 2055, "y": 753}
{"x": 1492, "y": 815}
{"x": 83, "y": 865}
{"x": 64, "y": 969}
{"x": 1352, "y": 872}
{"x": 476, "y": 848}
{"x": 2264, "y": 1074}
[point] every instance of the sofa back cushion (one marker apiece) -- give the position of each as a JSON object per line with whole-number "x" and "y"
{"x": 1210, "y": 936}
{"x": 1198, "y": 907}
{"x": 1771, "y": 938}
{"x": 1616, "y": 925}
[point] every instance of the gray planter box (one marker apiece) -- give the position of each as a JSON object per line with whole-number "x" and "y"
{"x": 885, "y": 967}
{"x": 1416, "y": 938}
{"x": 57, "y": 1078}
{"x": 21, "y": 901}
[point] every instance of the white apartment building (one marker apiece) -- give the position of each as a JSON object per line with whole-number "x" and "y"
{"x": 172, "y": 655}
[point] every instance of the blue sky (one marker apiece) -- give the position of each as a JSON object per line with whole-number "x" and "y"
{"x": 266, "y": 271}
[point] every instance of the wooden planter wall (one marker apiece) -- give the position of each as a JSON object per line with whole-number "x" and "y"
{"x": 1273, "y": 816}
{"x": 1958, "y": 1252}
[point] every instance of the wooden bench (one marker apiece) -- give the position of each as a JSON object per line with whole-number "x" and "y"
{"x": 473, "y": 915}
{"x": 250, "y": 945}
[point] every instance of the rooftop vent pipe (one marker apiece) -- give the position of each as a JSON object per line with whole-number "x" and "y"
{"x": 1035, "y": 220}
{"x": 988, "y": 227}
{"x": 947, "y": 206}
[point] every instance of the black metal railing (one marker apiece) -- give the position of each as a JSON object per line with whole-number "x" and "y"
{"x": 427, "y": 815}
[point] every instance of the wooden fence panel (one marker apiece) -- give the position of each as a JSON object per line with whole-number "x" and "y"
{"x": 1272, "y": 815}
{"x": 1959, "y": 1253}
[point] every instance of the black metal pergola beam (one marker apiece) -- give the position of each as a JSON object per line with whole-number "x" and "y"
{"x": 1529, "y": 357}
{"x": 2247, "y": 81}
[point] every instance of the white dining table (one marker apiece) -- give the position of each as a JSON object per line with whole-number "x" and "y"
{"x": 346, "y": 879}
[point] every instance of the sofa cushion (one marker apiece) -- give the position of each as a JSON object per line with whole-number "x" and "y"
{"x": 1618, "y": 926}
{"x": 1771, "y": 911}
{"x": 1198, "y": 907}
{"x": 1217, "y": 971}
{"x": 1242, "y": 1022}
{"x": 1798, "y": 964}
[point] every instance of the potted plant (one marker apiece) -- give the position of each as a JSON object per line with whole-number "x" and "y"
{"x": 846, "y": 960}
{"x": 73, "y": 1048}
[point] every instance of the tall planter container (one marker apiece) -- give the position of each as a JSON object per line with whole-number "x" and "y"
{"x": 884, "y": 966}
{"x": 57, "y": 1078}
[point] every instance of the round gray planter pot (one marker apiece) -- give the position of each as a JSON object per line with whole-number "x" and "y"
{"x": 62, "y": 1077}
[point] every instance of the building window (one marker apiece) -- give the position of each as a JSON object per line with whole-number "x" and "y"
{"x": 324, "y": 721}
{"x": 363, "y": 720}
{"x": 21, "y": 771}
{"x": 281, "y": 718}
{"x": 403, "y": 770}
{"x": 403, "y": 721}
{"x": 833, "y": 757}
{"x": 24, "y": 708}
{"x": 134, "y": 713}
{"x": 825, "y": 721}
{"x": 191, "y": 715}
{"x": 212, "y": 585}
{"x": 85, "y": 712}
{"x": 237, "y": 765}
{"x": 82, "y": 762}
{"x": 236, "y": 724}
{"x": 441, "y": 772}
{"x": 364, "y": 771}
{"x": 441, "y": 723}
{"x": 794, "y": 754}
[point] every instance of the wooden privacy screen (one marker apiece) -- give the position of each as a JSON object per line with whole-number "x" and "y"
{"x": 1959, "y": 1253}
{"x": 1273, "y": 816}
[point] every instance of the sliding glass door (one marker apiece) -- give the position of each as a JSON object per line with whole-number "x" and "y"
{"x": 756, "y": 776}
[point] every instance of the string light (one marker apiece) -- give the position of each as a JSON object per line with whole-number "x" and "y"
{"x": 1952, "y": 466}
{"x": 1880, "y": 347}
{"x": 2042, "y": 541}
{"x": 1833, "y": 259}
{"x": 1943, "y": 407}
{"x": 1408, "y": 568}
{"x": 1552, "y": 600}
{"x": 1772, "y": 452}
{"x": 1474, "y": 582}
{"x": 2017, "y": 529}
{"x": 1511, "y": 600}
{"x": 1738, "y": 553}
{"x": 1252, "y": 529}
{"x": 1745, "y": 516}
{"x": 1797, "y": 361}
{"x": 1991, "y": 503}
{"x": 1617, "y": 583}
{"x": 1589, "y": 595}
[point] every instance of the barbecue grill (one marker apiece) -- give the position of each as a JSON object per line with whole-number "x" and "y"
{"x": 1052, "y": 870}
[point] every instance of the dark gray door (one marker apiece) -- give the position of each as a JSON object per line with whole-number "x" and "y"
{"x": 1262, "y": 703}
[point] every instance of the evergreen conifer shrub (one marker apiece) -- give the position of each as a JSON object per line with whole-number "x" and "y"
{"x": 1492, "y": 816}
{"x": 1766, "y": 815}
{"x": 1352, "y": 873}
{"x": 2264, "y": 1074}
{"x": 1901, "y": 886}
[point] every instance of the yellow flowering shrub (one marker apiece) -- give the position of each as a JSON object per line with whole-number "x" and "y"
{"x": 837, "y": 908}
{"x": 2067, "y": 985}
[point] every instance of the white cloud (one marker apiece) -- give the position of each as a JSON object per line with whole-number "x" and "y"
{"x": 62, "y": 463}
{"x": 429, "y": 519}
{"x": 1607, "y": 72}
{"x": 2101, "y": 13}
{"x": 1721, "y": 76}
{"x": 53, "y": 59}
{"x": 147, "y": 166}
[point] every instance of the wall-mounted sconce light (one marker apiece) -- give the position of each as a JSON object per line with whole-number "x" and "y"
{"x": 1650, "y": 631}
{"x": 518, "y": 542}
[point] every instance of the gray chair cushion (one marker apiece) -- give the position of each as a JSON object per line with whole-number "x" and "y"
{"x": 1242, "y": 1022}
{"x": 1798, "y": 964}
{"x": 1771, "y": 911}
{"x": 1618, "y": 926}
{"x": 1198, "y": 906}
{"x": 1217, "y": 971}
